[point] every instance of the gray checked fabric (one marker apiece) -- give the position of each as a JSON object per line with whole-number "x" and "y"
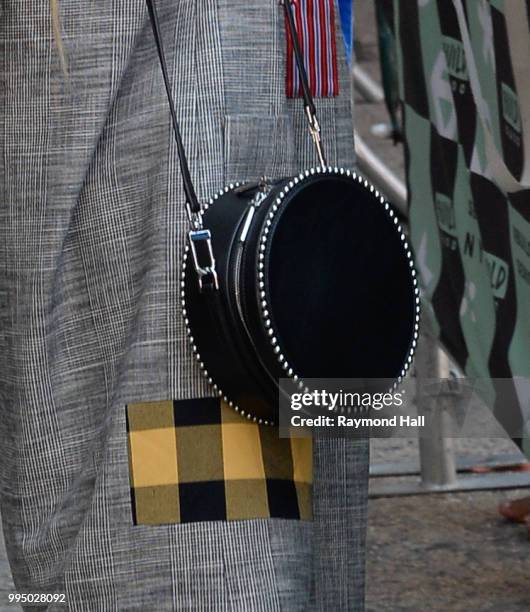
{"x": 92, "y": 235}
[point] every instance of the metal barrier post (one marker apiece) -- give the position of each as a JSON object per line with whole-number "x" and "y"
{"x": 437, "y": 460}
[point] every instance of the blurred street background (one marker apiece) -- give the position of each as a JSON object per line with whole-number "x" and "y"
{"x": 444, "y": 551}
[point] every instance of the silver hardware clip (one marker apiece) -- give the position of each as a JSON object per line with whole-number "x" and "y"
{"x": 194, "y": 218}
{"x": 206, "y": 272}
{"x": 314, "y": 129}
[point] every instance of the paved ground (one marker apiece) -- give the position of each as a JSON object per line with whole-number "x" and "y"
{"x": 444, "y": 552}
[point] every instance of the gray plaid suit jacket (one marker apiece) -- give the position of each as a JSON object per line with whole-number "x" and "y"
{"x": 93, "y": 230}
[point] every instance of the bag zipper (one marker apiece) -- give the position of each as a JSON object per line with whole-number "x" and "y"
{"x": 258, "y": 199}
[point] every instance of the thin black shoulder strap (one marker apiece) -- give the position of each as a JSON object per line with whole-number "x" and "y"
{"x": 189, "y": 190}
{"x": 309, "y": 106}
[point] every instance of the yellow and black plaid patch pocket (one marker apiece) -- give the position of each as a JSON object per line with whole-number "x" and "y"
{"x": 198, "y": 460}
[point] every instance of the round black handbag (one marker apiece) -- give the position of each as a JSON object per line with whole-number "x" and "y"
{"x": 302, "y": 277}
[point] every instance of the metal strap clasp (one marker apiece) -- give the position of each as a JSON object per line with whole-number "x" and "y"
{"x": 309, "y": 105}
{"x": 200, "y": 240}
{"x": 314, "y": 129}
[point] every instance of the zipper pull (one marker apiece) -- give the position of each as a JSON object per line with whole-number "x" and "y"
{"x": 261, "y": 184}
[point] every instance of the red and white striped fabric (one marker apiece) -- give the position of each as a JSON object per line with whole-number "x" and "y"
{"x": 315, "y": 24}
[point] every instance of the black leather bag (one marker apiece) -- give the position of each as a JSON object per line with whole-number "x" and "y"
{"x": 301, "y": 277}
